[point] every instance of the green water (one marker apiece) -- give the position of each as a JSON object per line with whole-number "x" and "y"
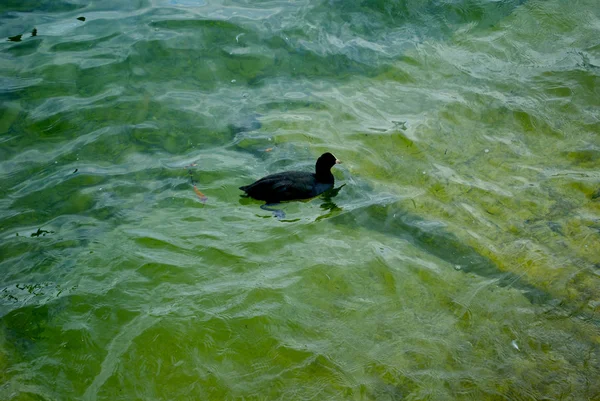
{"x": 460, "y": 261}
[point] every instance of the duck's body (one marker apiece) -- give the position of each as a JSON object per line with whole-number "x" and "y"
{"x": 286, "y": 186}
{"x": 294, "y": 185}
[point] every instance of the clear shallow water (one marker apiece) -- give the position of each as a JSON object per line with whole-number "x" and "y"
{"x": 460, "y": 260}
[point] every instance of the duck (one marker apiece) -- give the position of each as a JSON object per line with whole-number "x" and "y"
{"x": 294, "y": 185}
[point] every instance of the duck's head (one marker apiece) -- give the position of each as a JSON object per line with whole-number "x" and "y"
{"x": 325, "y": 162}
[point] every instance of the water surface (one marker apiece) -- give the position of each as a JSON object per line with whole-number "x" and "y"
{"x": 460, "y": 261}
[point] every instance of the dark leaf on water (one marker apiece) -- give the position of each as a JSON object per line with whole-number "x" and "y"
{"x": 16, "y": 38}
{"x": 41, "y": 232}
{"x": 81, "y": 18}
{"x": 75, "y": 170}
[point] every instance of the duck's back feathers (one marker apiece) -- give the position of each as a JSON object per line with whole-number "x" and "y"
{"x": 287, "y": 186}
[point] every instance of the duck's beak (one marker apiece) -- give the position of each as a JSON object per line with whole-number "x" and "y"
{"x": 338, "y": 161}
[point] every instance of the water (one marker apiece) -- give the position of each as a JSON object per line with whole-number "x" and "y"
{"x": 460, "y": 261}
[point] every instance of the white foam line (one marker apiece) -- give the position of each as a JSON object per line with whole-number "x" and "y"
{"x": 116, "y": 349}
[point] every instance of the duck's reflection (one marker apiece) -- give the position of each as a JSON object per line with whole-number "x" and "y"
{"x": 329, "y": 204}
